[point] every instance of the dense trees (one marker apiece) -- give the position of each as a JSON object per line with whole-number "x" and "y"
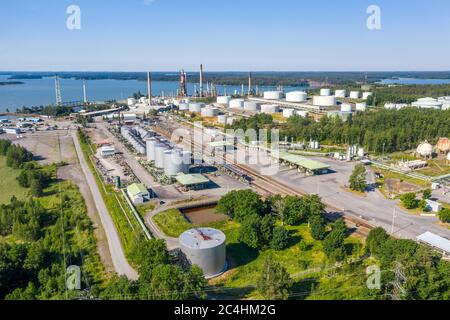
{"x": 240, "y": 204}
{"x": 426, "y": 274}
{"x": 317, "y": 225}
{"x": 409, "y": 200}
{"x": 444, "y": 215}
{"x": 390, "y": 130}
{"x": 274, "y": 282}
{"x": 261, "y": 233}
{"x": 357, "y": 179}
{"x": 333, "y": 244}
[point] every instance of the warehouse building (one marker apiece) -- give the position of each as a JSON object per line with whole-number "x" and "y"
{"x": 192, "y": 181}
{"x": 308, "y": 166}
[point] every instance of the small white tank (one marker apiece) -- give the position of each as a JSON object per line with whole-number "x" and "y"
{"x": 302, "y": 113}
{"x": 324, "y": 101}
{"x": 159, "y": 155}
{"x": 325, "y": 92}
{"x": 237, "y": 104}
{"x": 340, "y": 93}
{"x": 287, "y": 113}
{"x": 210, "y": 112}
{"x": 273, "y": 95}
{"x": 222, "y": 119}
{"x": 225, "y": 100}
{"x": 366, "y": 95}
{"x": 346, "y": 107}
{"x": 196, "y": 107}
{"x": 131, "y": 102}
{"x": 252, "y": 106}
{"x": 183, "y": 106}
{"x": 270, "y": 108}
{"x": 361, "y": 106}
{"x": 354, "y": 95}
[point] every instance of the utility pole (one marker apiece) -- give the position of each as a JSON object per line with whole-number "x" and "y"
{"x": 58, "y": 91}
{"x": 84, "y": 92}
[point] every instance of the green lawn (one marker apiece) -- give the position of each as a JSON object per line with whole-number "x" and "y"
{"x": 172, "y": 222}
{"x": 8, "y": 184}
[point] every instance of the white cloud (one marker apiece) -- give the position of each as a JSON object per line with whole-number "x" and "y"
{"x": 148, "y": 2}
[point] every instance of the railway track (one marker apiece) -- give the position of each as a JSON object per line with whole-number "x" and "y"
{"x": 267, "y": 186}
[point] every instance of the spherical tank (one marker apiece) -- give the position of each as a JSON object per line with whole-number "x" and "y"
{"x": 443, "y": 145}
{"x": 296, "y": 96}
{"x": 425, "y": 149}
{"x": 205, "y": 247}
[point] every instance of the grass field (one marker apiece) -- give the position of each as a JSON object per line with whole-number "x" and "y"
{"x": 8, "y": 184}
{"x": 172, "y": 222}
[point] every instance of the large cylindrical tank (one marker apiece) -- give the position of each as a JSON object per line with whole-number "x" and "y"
{"x": 237, "y": 103}
{"x": 225, "y": 100}
{"x": 210, "y": 112}
{"x": 361, "y": 106}
{"x": 186, "y": 161}
{"x": 252, "y": 106}
{"x": 196, "y": 107}
{"x": 183, "y": 106}
{"x": 151, "y": 143}
{"x": 270, "y": 108}
{"x": 296, "y": 96}
{"x": 205, "y": 247}
{"x": 273, "y": 95}
{"x": 354, "y": 95}
{"x": 346, "y": 107}
{"x": 340, "y": 93}
{"x": 159, "y": 155}
{"x": 131, "y": 102}
{"x": 324, "y": 101}
{"x": 366, "y": 95}
{"x": 325, "y": 92}
{"x": 287, "y": 113}
{"x": 172, "y": 162}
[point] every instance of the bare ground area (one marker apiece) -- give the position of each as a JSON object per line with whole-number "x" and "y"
{"x": 203, "y": 216}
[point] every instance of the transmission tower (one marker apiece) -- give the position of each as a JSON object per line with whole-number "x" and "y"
{"x": 58, "y": 91}
{"x": 398, "y": 292}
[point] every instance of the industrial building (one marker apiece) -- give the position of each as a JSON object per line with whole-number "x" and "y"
{"x": 436, "y": 242}
{"x": 206, "y": 248}
{"x": 192, "y": 181}
{"x": 310, "y": 167}
{"x": 15, "y": 131}
{"x": 107, "y": 151}
{"x": 138, "y": 193}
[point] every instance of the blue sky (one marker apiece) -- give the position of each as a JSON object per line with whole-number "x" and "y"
{"x": 296, "y": 35}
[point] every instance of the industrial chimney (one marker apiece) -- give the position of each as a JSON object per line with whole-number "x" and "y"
{"x": 249, "y": 83}
{"x": 149, "y": 87}
{"x": 201, "y": 81}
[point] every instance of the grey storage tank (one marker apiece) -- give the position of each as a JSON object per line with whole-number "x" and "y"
{"x": 205, "y": 247}
{"x": 159, "y": 155}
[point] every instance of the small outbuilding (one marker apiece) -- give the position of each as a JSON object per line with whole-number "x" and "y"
{"x": 192, "y": 181}
{"x": 138, "y": 193}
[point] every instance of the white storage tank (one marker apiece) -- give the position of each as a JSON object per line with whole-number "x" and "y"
{"x": 270, "y": 108}
{"x": 237, "y": 103}
{"x": 205, "y": 247}
{"x": 301, "y": 113}
{"x": 210, "y": 112}
{"x": 325, "y": 92}
{"x": 340, "y": 93}
{"x": 159, "y": 155}
{"x": 361, "y": 106}
{"x": 354, "y": 95}
{"x": 366, "y": 95}
{"x": 131, "y": 102}
{"x": 173, "y": 162}
{"x": 186, "y": 161}
{"x": 273, "y": 95}
{"x": 225, "y": 100}
{"x": 252, "y": 106}
{"x": 346, "y": 107}
{"x": 296, "y": 96}
{"x": 324, "y": 101}
{"x": 183, "y": 106}
{"x": 151, "y": 143}
{"x": 222, "y": 119}
{"x": 230, "y": 121}
{"x": 196, "y": 107}
{"x": 287, "y": 113}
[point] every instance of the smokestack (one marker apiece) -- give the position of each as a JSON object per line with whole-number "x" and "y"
{"x": 201, "y": 81}
{"x": 84, "y": 92}
{"x": 249, "y": 83}
{"x": 149, "y": 87}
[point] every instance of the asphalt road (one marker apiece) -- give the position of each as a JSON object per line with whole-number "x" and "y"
{"x": 120, "y": 263}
